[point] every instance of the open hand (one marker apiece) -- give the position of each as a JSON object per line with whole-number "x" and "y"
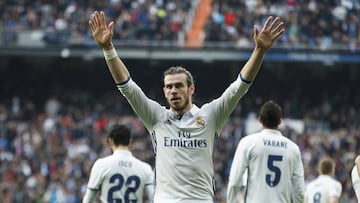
{"x": 101, "y": 32}
{"x": 271, "y": 30}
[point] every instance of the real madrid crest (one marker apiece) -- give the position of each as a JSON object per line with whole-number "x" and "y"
{"x": 200, "y": 121}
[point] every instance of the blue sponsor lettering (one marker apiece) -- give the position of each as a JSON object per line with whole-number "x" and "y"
{"x": 275, "y": 143}
{"x": 185, "y": 143}
{"x": 184, "y": 134}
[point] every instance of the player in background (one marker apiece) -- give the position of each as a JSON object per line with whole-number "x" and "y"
{"x": 355, "y": 177}
{"x": 120, "y": 177}
{"x": 273, "y": 162}
{"x": 183, "y": 135}
{"x": 324, "y": 189}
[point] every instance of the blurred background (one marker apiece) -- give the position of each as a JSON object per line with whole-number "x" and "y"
{"x": 58, "y": 100}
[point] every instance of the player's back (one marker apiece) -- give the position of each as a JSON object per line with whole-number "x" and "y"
{"x": 321, "y": 189}
{"x": 123, "y": 177}
{"x": 275, "y": 168}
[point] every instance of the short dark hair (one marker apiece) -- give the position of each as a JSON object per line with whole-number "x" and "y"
{"x": 270, "y": 114}
{"x": 120, "y": 134}
{"x": 178, "y": 69}
{"x": 326, "y": 166}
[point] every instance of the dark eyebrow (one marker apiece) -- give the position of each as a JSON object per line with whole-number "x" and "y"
{"x": 176, "y": 83}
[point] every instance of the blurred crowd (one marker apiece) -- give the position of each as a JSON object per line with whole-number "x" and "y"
{"x": 310, "y": 24}
{"x": 64, "y": 22}
{"x": 46, "y": 151}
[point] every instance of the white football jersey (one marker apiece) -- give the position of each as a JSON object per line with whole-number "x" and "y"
{"x": 184, "y": 146}
{"x": 121, "y": 177}
{"x": 355, "y": 182}
{"x": 274, "y": 166}
{"x": 321, "y": 189}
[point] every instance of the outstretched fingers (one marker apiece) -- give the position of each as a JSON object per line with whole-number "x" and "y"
{"x": 274, "y": 22}
{"x": 279, "y": 30}
{"x": 256, "y": 30}
{"x": 102, "y": 20}
{"x": 94, "y": 22}
{"x": 111, "y": 25}
{"x": 267, "y": 22}
{"x": 92, "y": 26}
{"x": 279, "y": 27}
{"x": 275, "y": 27}
{"x": 96, "y": 19}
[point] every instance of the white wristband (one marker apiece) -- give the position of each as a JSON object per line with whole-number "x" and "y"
{"x": 110, "y": 54}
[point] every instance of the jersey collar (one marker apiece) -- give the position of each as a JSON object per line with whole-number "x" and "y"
{"x": 272, "y": 131}
{"x": 123, "y": 152}
{"x": 193, "y": 111}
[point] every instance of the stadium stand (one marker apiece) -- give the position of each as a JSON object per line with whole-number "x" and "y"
{"x": 316, "y": 24}
{"x": 195, "y": 35}
{"x": 66, "y": 22}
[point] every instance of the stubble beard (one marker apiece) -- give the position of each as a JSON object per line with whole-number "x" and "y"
{"x": 179, "y": 108}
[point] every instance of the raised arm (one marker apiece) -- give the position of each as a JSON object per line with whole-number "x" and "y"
{"x": 355, "y": 177}
{"x": 102, "y": 34}
{"x": 357, "y": 164}
{"x": 264, "y": 39}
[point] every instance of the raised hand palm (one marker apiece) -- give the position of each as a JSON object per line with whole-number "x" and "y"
{"x": 102, "y": 35}
{"x": 264, "y": 39}
{"x": 269, "y": 33}
{"x": 101, "y": 32}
